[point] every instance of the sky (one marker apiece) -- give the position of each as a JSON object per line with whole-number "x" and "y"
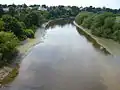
{"x": 115, "y": 4}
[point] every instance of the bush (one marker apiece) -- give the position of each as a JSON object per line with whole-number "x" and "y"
{"x": 98, "y": 31}
{"x": 80, "y": 18}
{"x": 107, "y": 33}
{"x": 2, "y": 24}
{"x": 34, "y": 18}
{"x": 103, "y": 25}
{"x": 99, "y": 19}
{"x": 116, "y": 35}
{"x": 13, "y": 25}
{"x": 116, "y": 26}
{"x": 88, "y": 22}
{"x": 33, "y": 28}
{"x": 109, "y": 22}
{"x": 8, "y": 43}
{"x": 29, "y": 33}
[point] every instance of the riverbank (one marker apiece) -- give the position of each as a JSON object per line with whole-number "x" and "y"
{"x": 71, "y": 18}
{"x": 8, "y": 73}
{"x": 111, "y": 46}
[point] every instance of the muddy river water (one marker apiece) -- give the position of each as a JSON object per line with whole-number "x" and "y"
{"x": 66, "y": 60}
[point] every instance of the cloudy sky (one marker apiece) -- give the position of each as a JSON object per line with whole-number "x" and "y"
{"x": 96, "y": 3}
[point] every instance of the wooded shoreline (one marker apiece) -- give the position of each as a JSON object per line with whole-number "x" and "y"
{"x": 112, "y": 49}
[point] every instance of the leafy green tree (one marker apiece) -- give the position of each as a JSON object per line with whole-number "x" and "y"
{"x": 1, "y": 11}
{"x": 109, "y": 22}
{"x": 116, "y": 26}
{"x": 87, "y": 23}
{"x": 12, "y": 11}
{"x": 99, "y": 19}
{"x": 44, "y": 6}
{"x": 75, "y": 10}
{"x": 81, "y": 16}
{"x": 106, "y": 33}
{"x": 13, "y": 25}
{"x": 8, "y": 43}
{"x": 45, "y": 14}
{"x": 97, "y": 31}
{"x": 2, "y": 24}
{"x": 116, "y": 35}
{"x": 105, "y": 24}
{"x": 34, "y": 18}
{"x": 24, "y": 5}
{"x": 29, "y": 33}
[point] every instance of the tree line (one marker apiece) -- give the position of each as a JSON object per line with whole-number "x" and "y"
{"x": 104, "y": 24}
{"x": 16, "y": 27}
{"x": 19, "y": 22}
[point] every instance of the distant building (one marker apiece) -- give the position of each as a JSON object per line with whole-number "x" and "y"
{"x": 29, "y": 7}
{"x": 42, "y": 9}
{"x": 67, "y": 8}
{"x": 6, "y": 9}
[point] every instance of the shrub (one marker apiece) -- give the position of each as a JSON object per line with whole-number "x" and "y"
{"x": 8, "y": 43}
{"x": 88, "y": 22}
{"x": 116, "y": 26}
{"x": 116, "y": 35}
{"x": 13, "y": 25}
{"x": 109, "y": 22}
{"x": 29, "y": 33}
{"x": 2, "y": 24}
{"x": 98, "y": 31}
{"x": 80, "y": 18}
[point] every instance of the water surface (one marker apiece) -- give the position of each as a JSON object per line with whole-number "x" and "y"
{"x": 66, "y": 60}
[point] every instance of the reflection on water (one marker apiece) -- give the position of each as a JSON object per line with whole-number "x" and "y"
{"x": 94, "y": 43}
{"x": 66, "y": 61}
{"x": 59, "y": 23}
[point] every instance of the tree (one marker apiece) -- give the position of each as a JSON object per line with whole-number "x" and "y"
{"x": 4, "y": 5}
{"x": 99, "y": 19}
{"x": 81, "y": 16}
{"x": 8, "y": 43}
{"x": 12, "y": 10}
{"x": 1, "y": 11}
{"x": 88, "y": 21}
{"x": 13, "y": 25}
{"x": 44, "y": 6}
{"x": 34, "y": 18}
{"x": 2, "y": 24}
{"x": 109, "y": 22}
{"x": 116, "y": 35}
{"x": 116, "y": 26}
{"x": 24, "y": 5}
{"x": 75, "y": 10}
{"x": 45, "y": 14}
{"x": 29, "y": 33}
{"x": 105, "y": 24}
{"x": 97, "y": 31}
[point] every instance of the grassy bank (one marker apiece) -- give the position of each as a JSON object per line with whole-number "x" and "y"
{"x": 111, "y": 46}
{"x": 11, "y": 72}
{"x": 8, "y": 73}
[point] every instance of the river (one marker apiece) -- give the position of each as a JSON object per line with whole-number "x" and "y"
{"x": 66, "y": 60}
